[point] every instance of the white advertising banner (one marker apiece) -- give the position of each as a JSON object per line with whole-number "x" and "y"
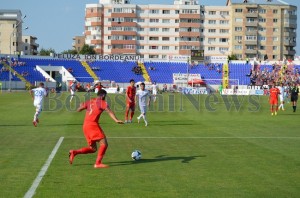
{"x": 182, "y": 78}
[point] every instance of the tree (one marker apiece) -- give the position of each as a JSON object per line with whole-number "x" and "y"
{"x": 86, "y": 49}
{"x": 70, "y": 51}
{"x": 232, "y": 57}
{"x": 46, "y": 52}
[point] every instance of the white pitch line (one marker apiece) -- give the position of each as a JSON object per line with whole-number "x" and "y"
{"x": 43, "y": 170}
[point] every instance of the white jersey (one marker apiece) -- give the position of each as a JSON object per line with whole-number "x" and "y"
{"x": 39, "y": 94}
{"x": 281, "y": 89}
{"x": 154, "y": 89}
{"x": 143, "y": 95}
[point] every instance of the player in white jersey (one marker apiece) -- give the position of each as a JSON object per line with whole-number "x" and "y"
{"x": 281, "y": 96}
{"x": 142, "y": 94}
{"x": 72, "y": 89}
{"x": 38, "y": 95}
{"x": 154, "y": 91}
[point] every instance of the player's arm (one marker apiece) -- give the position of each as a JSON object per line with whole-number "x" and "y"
{"x": 82, "y": 107}
{"x": 31, "y": 94}
{"x": 127, "y": 95}
{"x": 113, "y": 116}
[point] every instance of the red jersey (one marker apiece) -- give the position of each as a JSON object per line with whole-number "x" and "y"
{"x": 94, "y": 109}
{"x": 274, "y": 93}
{"x": 130, "y": 92}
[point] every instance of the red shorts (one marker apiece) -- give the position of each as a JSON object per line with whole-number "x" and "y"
{"x": 273, "y": 101}
{"x": 93, "y": 133}
{"x": 131, "y": 105}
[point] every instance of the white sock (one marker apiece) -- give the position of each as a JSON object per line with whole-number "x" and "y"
{"x": 36, "y": 115}
{"x": 144, "y": 117}
{"x": 71, "y": 98}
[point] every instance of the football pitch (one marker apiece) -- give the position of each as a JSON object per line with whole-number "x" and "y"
{"x": 194, "y": 146}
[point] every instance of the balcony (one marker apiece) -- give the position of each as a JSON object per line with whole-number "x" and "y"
{"x": 251, "y": 42}
{"x": 251, "y": 51}
{"x": 289, "y": 52}
{"x": 251, "y": 33}
{"x": 290, "y": 25}
{"x": 289, "y": 34}
{"x": 289, "y": 43}
{"x": 251, "y": 24}
{"x": 252, "y": 14}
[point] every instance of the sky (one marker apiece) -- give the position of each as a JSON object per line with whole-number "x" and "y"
{"x": 56, "y": 22}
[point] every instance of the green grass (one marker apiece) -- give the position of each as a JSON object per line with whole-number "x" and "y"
{"x": 193, "y": 147}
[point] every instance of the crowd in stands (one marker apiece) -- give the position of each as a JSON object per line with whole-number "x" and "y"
{"x": 278, "y": 72}
{"x": 137, "y": 70}
{"x": 214, "y": 66}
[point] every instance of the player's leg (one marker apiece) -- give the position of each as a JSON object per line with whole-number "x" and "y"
{"x": 132, "y": 112}
{"x": 72, "y": 95}
{"x": 85, "y": 150}
{"x": 38, "y": 109}
{"x": 126, "y": 113}
{"x": 102, "y": 149}
{"x": 143, "y": 111}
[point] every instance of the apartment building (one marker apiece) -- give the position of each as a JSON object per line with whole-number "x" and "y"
{"x": 78, "y": 42}
{"x": 168, "y": 31}
{"x": 29, "y": 45}
{"x": 10, "y": 31}
{"x": 263, "y": 30}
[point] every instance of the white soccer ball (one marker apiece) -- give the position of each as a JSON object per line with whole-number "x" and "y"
{"x": 136, "y": 155}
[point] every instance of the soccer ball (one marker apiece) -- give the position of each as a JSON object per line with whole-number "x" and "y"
{"x": 136, "y": 155}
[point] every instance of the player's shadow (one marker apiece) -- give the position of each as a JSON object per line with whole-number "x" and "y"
{"x": 159, "y": 158}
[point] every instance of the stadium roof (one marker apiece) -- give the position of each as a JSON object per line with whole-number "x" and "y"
{"x": 268, "y": 2}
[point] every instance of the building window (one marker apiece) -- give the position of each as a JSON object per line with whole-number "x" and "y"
{"x": 153, "y": 47}
{"x": 165, "y": 38}
{"x": 262, "y": 11}
{"x": 212, "y": 13}
{"x": 275, "y": 29}
{"x": 177, "y": 12}
{"x": 166, "y": 11}
{"x": 275, "y": 20}
{"x": 140, "y": 47}
{"x": 223, "y": 40}
{"x": 262, "y": 20}
{"x": 262, "y": 47}
{"x": 238, "y": 47}
{"x": 166, "y": 20}
{"x": 224, "y": 22}
{"x": 275, "y": 11}
{"x": 176, "y": 29}
{"x": 238, "y": 38}
{"x": 26, "y": 48}
{"x": 275, "y": 57}
{"x": 262, "y": 29}
{"x": 140, "y": 38}
{"x": 211, "y": 48}
{"x": 166, "y": 29}
{"x": 224, "y": 13}
{"x": 224, "y": 49}
{"x": 176, "y": 20}
{"x": 141, "y": 29}
{"x": 211, "y": 21}
{"x": 165, "y": 48}
{"x": 211, "y": 40}
{"x": 141, "y": 20}
{"x": 26, "y": 40}
{"x": 275, "y": 48}
{"x": 275, "y": 38}
{"x": 224, "y": 31}
{"x": 238, "y": 29}
{"x": 154, "y": 29}
{"x": 154, "y": 11}
{"x": 239, "y": 10}
{"x": 251, "y": 38}
{"x": 212, "y": 30}
{"x": 238, "y": 20}
{"x": 261, "y": 38}
{"x": 154, "y": 20}
{"x": 151, "y": 38}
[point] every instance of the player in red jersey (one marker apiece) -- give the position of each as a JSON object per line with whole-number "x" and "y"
{"x": 92, "y": 130}
{"x": 130, "y": 101}
{"x": 274, "y": 92}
